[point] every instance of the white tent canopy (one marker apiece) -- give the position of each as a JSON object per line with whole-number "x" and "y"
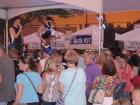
{"x": 34, "y": 42}
{"x": 92, "y": 31}
{"x": 133, "y": 35}
{"x": 131, "y": 39}
{"x": 34, "y": 38}
{"x": 17, "y": 7}
{"x": 105, "y": 5}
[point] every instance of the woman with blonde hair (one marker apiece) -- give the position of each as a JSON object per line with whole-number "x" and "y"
{"x": 73, "y": 81}
{"x": 50, "y": 83}
{"x": 58, "y": 61}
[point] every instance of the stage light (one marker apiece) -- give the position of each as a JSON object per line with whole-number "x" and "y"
{"x": 104, "y": 26}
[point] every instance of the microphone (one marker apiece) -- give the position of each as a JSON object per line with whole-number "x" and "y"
{"x": 21, "y": 27}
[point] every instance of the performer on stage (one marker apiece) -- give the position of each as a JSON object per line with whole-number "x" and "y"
{"x": 48, "y": 27}
{"x": 46, "y": 33}
{"x": 16, "y": 40}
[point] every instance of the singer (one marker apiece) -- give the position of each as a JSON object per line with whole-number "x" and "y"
{"x": 16, "y": 40}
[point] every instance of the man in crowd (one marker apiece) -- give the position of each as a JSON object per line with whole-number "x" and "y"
{"x": 7, "y": 78}
{"x": 136, "y": 96}
{"x": 92, "y": 71}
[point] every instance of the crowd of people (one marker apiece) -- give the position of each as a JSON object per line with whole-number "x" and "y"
{"x": 72, "y": 75}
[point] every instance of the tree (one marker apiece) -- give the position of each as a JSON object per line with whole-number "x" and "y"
{"x": 65, "y": 13}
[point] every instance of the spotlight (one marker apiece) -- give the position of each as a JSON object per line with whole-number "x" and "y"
{"x": 104, "y": 26}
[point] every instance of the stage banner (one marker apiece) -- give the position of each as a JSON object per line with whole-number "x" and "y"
{"x": 58, "y": 45}
{"x": 132, "y": 45}
{"x": 81, "y": 39}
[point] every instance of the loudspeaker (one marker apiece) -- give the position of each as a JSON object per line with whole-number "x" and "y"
{"x": 109, "y": 38}
{"x": 119, "y": 44}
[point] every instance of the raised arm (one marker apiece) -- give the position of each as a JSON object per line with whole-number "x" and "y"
{"x": 13, "y": 33}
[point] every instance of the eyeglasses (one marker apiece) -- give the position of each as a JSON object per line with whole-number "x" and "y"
{"x": 88, "y": 50}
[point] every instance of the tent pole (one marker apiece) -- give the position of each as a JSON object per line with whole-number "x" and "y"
{"x": 100, "y": 27}
{"x": 6, "y": 37}
{"x": 100, "y": 33}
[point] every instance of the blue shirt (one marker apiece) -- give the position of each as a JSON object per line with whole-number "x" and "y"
{"x": 29, "y": 94}
{"x": 76, "y": 95}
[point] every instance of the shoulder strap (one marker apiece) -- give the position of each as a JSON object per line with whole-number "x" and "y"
{"x": 52, "y": 79}
{"x": 71, "y": 84}
{"x": 30, "y": 82}
{"x": 101, "y": 82}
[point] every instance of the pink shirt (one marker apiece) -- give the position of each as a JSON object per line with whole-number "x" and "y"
{"x": 126, "y": 74}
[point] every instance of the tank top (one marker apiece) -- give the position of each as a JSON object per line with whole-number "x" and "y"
{"x": 51, "y": 93}
{"x": 16, "y": 42}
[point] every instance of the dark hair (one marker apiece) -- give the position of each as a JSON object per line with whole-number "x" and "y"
{"x": 22, "y": 59}
{"x": 109, "y": 68}
{"x": 16, "y": 18}
{"x": 30, "y": 62}
{"x": 134, "y": 60}
{"x": 139, "y": 70}
{"x": 49, "y": 18}
{"x": 117, "y": 52}
{"x": 13, "y": 53}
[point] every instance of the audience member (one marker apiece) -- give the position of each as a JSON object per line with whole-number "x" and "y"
{"x": 134, "y": 62}
{"x": 108, "y": 81}
{"x": 136, "y": 96}
{"x": 50, "y": 83}
{"x": 136, "y": 80}
{"x": 13, "y": 54}
{"x": 27, "y": 82}
{"x": 92, "y": 71}
{"x": 124, "y": 72}
{"x": 73, "y": 81}
{"x": 7, "y": 78}
{"x": 122, "y": 102}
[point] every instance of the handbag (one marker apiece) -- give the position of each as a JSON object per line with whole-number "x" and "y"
{"x": 91, "y": 96}
{"x": 38, "y": 94}
{"x": 61, "y": 98}
{"x": 97, "y": 95}
{"x": 119, "y": 91}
